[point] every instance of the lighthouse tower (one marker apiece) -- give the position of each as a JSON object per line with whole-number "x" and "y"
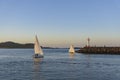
{"x": 88, "y": 42}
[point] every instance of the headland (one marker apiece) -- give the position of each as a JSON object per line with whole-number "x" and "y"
{"x": 12, "y": 45}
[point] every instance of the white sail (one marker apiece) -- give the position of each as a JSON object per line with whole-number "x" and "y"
{"x": 71, "y": 50}
{"x": 37, "y": 47}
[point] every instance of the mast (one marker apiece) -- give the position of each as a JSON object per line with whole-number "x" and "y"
{"x": 37, "y": 47}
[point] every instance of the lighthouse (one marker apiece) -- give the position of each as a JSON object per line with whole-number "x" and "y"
{"x": 88, "y": 42}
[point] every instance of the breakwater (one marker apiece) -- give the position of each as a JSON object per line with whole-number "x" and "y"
{"x": 99, "y": 50}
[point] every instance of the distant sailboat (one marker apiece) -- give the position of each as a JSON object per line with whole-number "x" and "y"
{"x": 71, "y": 50}
{"x": 37, "y": 49}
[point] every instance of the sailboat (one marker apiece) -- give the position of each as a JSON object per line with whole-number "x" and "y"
{"x": 71, "y": 50}
{"x": 37, "y": 49}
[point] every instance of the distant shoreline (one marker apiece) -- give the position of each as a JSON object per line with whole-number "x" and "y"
{"x": 13, "y": 45}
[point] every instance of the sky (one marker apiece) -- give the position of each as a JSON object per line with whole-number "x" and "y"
{"x": 60, "y": 23}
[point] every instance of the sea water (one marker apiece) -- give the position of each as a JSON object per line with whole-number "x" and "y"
{"x": 57, "y": 64}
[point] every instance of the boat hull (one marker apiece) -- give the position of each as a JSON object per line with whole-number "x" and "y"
{"x": 71, "y": 52}
{"x": 38, "y": 56}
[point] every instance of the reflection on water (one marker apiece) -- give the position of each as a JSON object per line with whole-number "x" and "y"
{"x": 71, "y": 55}
{"x": 37, "y": 60}
{"x": 88, "y": 60}
{"x": 37, "y": 75}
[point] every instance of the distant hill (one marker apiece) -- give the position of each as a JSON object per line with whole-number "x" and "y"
{"x": 10, "y": 44}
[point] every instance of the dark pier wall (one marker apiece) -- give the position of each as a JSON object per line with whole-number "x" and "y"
{"x": 100, "y": 50}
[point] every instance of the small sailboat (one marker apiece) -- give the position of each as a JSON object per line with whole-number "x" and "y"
{"x": 37, "y": 49}
{"x": 71, "y": 50}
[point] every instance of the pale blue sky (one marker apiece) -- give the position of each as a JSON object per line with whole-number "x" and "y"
{"x": 59, "y": 23}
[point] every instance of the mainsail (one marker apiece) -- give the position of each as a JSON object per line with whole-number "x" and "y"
{"x": 37, "y": 47}
{"x": 71, "y": 50}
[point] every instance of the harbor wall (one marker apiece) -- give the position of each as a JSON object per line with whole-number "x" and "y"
{"x": 100, "y": 50}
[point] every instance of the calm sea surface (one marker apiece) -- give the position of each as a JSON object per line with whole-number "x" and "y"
{"x": 58, "y": 64}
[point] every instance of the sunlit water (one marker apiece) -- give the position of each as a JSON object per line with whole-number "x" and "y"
{"x": 58, "y": 64}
